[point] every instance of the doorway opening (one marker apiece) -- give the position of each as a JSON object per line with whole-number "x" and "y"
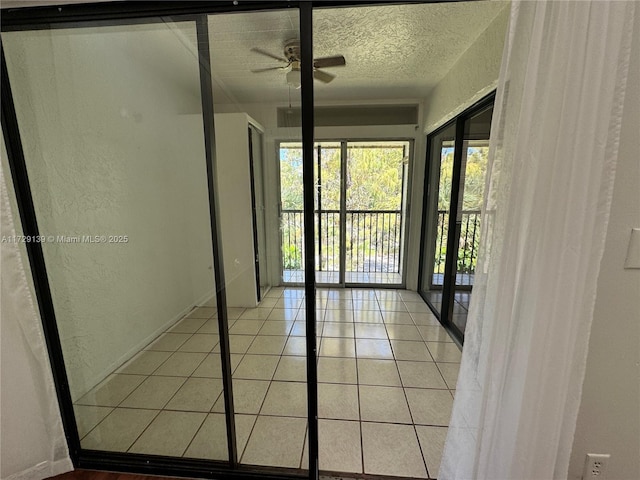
{"x": 360, "y": 212}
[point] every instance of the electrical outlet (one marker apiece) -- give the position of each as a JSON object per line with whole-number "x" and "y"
{"x": 595, "y": 466}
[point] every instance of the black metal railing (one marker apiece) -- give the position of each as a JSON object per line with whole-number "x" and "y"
{"x": 468, "y": 245}
{"x": 373, "y": 240}
{"x": 291, "y": 228}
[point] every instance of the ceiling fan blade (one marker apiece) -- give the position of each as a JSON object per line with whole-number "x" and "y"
{"x": 337, "y": 61}
{"x": 270, "y": 55}
{"x": 324, "y": 77}
{"x": 260, "y": 70}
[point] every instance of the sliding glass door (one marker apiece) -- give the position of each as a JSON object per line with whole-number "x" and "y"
{"x": 473, "y": 167}
{"x": 113, "y": 141}
{"x": 260, "y": 326}
{"x": 134, "y": 134}
{"x": 327, "y": 179}
{"x": 439, "y": 171}
{"x": 360, "y": 211}
{"x": 455, "y": 181}
{"x": 376, "y": 185}
{"x": 144, "y": 179}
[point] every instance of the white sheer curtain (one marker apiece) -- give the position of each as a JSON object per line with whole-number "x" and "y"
{"x": 554, "y": 150}
{"x": 32, "y": 440}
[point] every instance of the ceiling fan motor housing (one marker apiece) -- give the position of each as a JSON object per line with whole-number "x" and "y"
{"x": 292, "y": 50}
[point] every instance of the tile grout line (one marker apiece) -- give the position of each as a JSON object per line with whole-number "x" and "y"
{"x": 159, "y": 411}
{"x": 282, "y": 354}
{"x": 406, "y": 399}
{"x": 204, "y": 419}
{"x": 445, "y": 382}
{"x": 415, "y": 430}
{"x": 143, "y": 430}
{"x": 263, "y": 399}
{"x": 359, "y": 405}
{"x": 206, "y": 416}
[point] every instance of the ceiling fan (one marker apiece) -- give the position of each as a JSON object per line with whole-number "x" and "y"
{"x": 291, "y": 64}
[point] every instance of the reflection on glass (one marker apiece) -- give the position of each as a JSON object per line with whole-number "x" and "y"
{"x": 475, "y": 147}
{"x": 444, "y": 200}
{"x": 472, "y": 184}
{"x": 440, "y": 169}
{"x": 112, "y": 128}
{"x": 328, "y": 189}
{"x": 292, "y": 234}
{"x": 376, "y": 183}
{"x": 327, "y": 175}
{"x": 373, "y": 177}
{"x": 257, "y": 137}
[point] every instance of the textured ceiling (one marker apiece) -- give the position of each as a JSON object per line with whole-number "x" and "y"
{"x": 392, "y": 51}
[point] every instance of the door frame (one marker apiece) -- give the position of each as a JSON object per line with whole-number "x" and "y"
{"x": 405, "y": 208}
{"x": 258, "y": 242}
{"x": 428, "y": 228}
{"x": 118, "y": 14}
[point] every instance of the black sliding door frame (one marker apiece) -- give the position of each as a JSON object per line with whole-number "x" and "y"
{"x": 22, "y": 188}
{"x": 141, "y": 13}
{"x": 206, "y": 95}
{"x": 254, "y": 212}
{"x": 445, "y": 313}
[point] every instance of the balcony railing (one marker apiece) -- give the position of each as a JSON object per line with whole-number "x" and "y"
{"x": 468, "y": 245}
{"x": 372, "y": 244}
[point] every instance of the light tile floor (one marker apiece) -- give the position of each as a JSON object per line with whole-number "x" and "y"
{"x": 460, "y": 306}
{"x": 386, "y": 369}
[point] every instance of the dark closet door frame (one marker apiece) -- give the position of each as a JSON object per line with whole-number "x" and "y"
{"x": 444, "y": 315}
{"x": 137, "y": 13}
{"x": 254, "y": 213}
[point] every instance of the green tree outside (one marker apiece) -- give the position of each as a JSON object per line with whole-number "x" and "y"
{"x": 473, "y": 196}
{"x": 374, "y": 181}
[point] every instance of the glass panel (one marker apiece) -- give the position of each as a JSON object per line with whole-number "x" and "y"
{"x": 439, "y": 174}
{"x": 376, "y": 341}
{"x": 327, "y": 174}
{"x": 328, "y": 190}
{"x": 267, "y": 336}
{"x": 375, "y": 216}
{"x": 113, "y": 136}
{"x": 471, "y": 195}
{"x": 444, "y": 202}
{"x": 475, "y": 157}
{"x": 292, "y": 234}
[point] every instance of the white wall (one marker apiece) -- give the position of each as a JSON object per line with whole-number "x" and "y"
{"x": 474, "y": 75}
{"x": 609, "y": 415}
{"x": 266, "y": 114}
{"x": 108, "y": 154}
{"x": 236, "y": 209}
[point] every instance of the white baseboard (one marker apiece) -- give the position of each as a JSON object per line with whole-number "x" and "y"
{"x": 113, "y": 366}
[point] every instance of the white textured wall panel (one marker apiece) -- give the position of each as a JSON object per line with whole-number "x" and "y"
{"x": 109, "y": 153}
